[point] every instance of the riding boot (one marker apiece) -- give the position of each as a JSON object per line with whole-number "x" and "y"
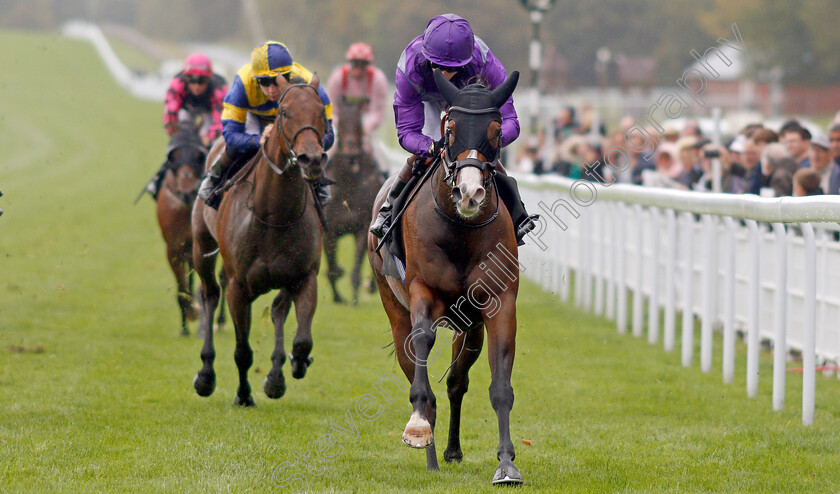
{"x": 207, "y": 191}
{"x": 383, "y": 219}
{"x": 509, "y": 193}
{"x": 153, "y": 187}
{"x": 322, "y": 191}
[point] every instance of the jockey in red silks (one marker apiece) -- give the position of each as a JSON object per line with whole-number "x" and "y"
{"x": 359, "y": 80}
{"x": 448, "y": 44}
{"x": 195, "y": 91}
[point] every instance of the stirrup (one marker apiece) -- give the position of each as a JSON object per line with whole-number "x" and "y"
{"x": 525, "y": 227}
{"x": 323, "y": 193}
{"x": 381, "y": 225}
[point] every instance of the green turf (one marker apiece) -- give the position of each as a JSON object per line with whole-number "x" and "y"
{"x": 96, "y": 385}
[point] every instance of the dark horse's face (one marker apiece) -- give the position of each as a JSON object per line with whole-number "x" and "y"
{"x": 350, "y": 127}
{"x": 301, "y": 123}
{"x": 186, "y": 158}
{"x": 473, "y": 130}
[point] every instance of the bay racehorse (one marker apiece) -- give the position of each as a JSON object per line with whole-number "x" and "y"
{"x": 268, "y": 232}
{"x": 461, "y": 272}
{"x": 358, "y": 179}
{"x": 177, "y": 192}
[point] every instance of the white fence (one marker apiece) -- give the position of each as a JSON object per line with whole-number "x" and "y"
{"x": 773, "y": 280}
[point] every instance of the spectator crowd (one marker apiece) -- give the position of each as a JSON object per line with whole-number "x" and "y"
{"x": 790, "y": 161}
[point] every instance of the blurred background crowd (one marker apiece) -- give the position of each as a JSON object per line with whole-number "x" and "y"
{"x": 792, "y": 157}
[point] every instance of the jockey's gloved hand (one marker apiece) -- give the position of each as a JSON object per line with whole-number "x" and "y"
{"x": 436, "y": 147}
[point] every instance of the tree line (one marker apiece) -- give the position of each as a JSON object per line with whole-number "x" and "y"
{"x": 799, "y": 36}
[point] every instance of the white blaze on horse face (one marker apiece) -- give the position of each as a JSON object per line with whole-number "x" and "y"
{"x": 471, "y": 190}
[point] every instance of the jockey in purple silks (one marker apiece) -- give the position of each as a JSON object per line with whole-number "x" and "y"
{"x": 447, "y": 44}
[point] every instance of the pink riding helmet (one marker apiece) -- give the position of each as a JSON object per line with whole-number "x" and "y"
{"x": 198, "y": 64}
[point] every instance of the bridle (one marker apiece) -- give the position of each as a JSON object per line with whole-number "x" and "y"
{"x": 454, "y": 167}
{"x": 195, "y": 166}
{"x": 292, "y": 159}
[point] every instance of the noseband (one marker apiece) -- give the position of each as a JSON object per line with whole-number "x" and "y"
{"x": 292, "y": 159}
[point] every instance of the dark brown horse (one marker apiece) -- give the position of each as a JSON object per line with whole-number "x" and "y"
{"x": 269, "y": 234}
{"x": 357, "y": 181}
{"x": 460, "y": 273}
{"x": 185, "y": 159}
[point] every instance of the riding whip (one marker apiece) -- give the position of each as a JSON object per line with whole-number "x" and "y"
{"x": 398, "y": 217}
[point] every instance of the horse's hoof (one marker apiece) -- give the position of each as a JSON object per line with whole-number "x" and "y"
{"x": 339, "y": 299}
{"x": 507, "y": 475}
{"x": 453, "y": 456}
{"x": 275, "y": 388}
{"x": 185, "y": 332}
{"x": 418, "y": 432}
{"x": 205, "y": 383}
{"x": 299, "y": 366}
{"x": 248, "y": 401}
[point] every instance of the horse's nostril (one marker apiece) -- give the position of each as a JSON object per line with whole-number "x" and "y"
{"x": 456, "y": 194}
{"x": 479, "y": 195}
{"x": 303, "y": 159}
{"x": 473, "y": 203}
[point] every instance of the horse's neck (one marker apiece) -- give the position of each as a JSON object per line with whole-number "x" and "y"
{"x": 280, "y": 197}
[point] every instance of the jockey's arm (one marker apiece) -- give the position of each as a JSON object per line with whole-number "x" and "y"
{"x": 233, "y": 117}
{"x": 329, "y": 135}
{"x": 410, "y": 117}
{"x": 172, "y": 104}
{"x": 216, "y": 107}
{"x": 373, "y": 118}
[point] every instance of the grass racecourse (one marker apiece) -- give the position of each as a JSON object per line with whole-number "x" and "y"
{"x": 96, "y": 385}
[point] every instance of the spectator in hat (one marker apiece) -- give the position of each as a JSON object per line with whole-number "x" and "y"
{"x": 820, "y": 159}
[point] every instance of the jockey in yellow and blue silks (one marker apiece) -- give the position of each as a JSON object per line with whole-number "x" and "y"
{"x": 250, "y": 104}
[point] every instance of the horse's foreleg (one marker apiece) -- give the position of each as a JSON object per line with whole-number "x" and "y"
{"x": 419, "y": 431}
{"x": 334, "y": 271}
{"x": 239, "y": 302}
{"x": 356, "y": 276}
{"x": 501, "y": 346}
{"x": 184, "y": 297}
{"x": 466, "y": 348}
{"x": 306, "y": 299}
{"x": 205, "y": 380}
{"x": 275, "y": 383}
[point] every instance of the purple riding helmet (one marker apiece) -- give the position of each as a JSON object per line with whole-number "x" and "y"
{"x": 448, "y": 41}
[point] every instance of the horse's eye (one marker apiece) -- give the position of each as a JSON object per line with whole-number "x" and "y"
{"x": 284, "y": 113}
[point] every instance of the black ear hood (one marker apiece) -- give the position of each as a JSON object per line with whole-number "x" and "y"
{"x": 473, "y": 109}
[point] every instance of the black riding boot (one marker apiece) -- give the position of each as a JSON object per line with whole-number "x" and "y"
{"x": 207, "y": 191}
{"x": 509, "y": 193}
{"x": 383, "y": 220}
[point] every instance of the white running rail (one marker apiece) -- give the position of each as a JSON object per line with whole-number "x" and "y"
{"x": 766, "y": 267}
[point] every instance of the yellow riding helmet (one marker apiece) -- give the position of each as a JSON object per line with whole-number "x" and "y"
{"x": 269, "y": 59}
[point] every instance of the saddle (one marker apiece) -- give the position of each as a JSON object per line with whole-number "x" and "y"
{"x": 393, "y": 252}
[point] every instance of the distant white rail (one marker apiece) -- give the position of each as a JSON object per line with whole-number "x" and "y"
{"x": 762, "y": 266}
{"x": 150, "y": 87}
